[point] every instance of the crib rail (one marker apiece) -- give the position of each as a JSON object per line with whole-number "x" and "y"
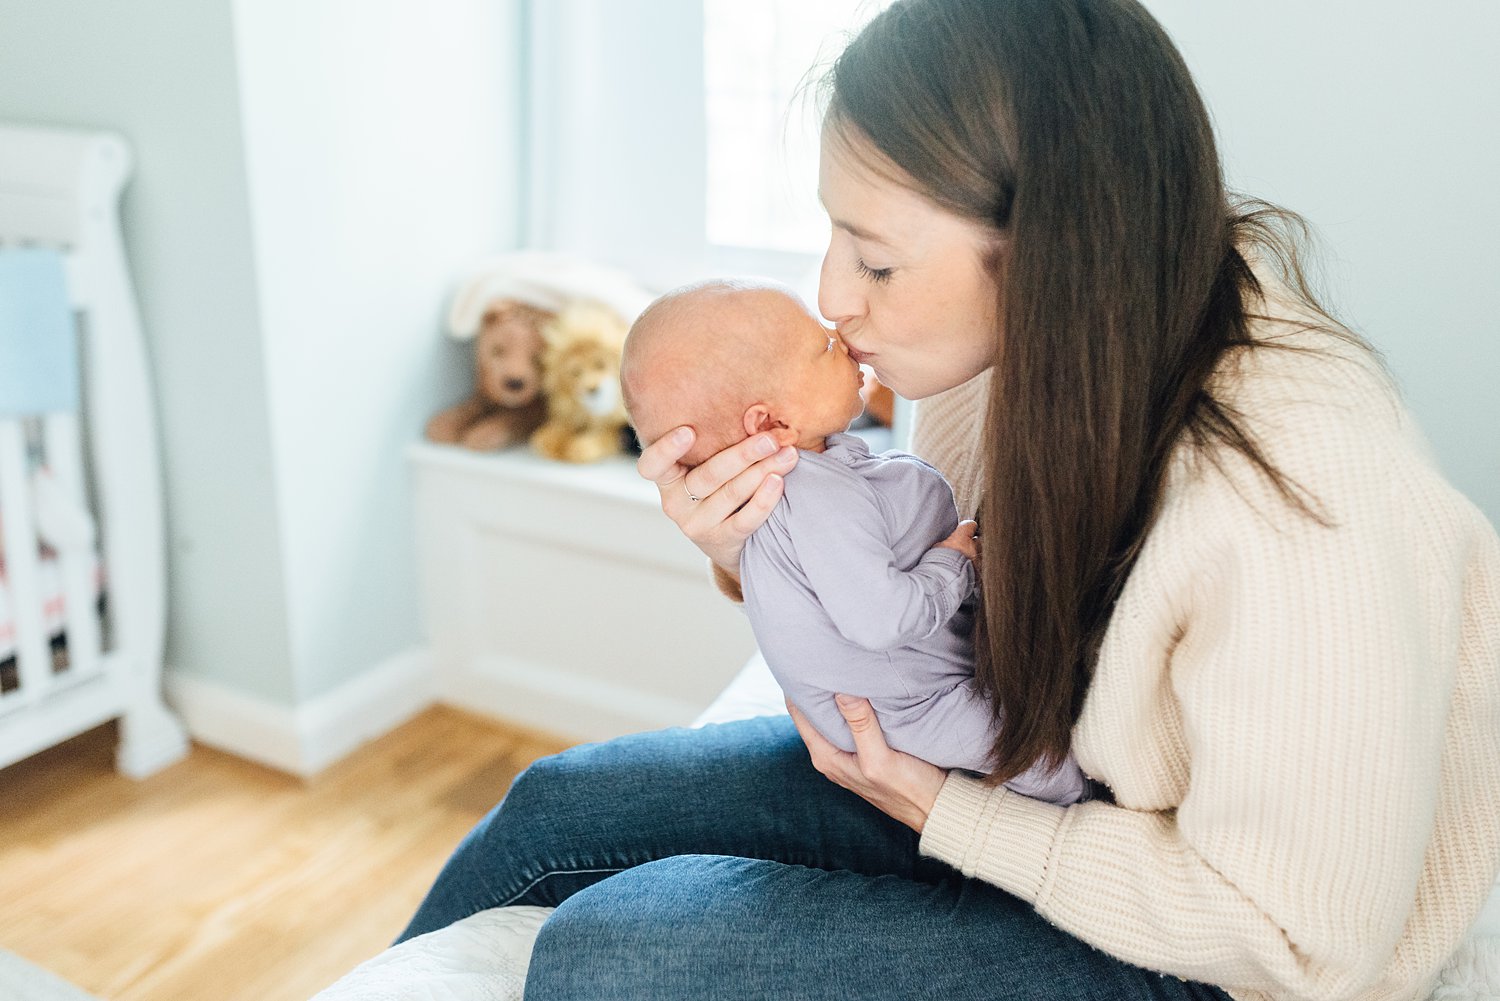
{"x": 59, "y": 190}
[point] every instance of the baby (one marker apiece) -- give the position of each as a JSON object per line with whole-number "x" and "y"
{"x": 856, "y": 583}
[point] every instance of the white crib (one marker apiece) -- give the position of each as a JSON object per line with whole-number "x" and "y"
{"x": 60, "y": 189}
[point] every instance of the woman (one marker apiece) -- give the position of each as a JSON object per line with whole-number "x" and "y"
{"x": 1216, "y": 565}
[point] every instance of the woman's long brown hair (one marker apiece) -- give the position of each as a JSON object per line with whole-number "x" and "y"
{"x": 1074, "y": 127}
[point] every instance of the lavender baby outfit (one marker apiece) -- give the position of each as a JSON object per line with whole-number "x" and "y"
{"x": 846, "y": 593}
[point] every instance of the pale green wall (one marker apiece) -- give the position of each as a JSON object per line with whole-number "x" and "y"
{"x": 1377, "y": 120}
{"x": 164, "y": 75}
{"x": 383, "y": 161}
{"x": 311, "y": 178}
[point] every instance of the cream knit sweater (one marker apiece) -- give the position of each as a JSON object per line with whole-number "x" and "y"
{"x": 1300, "y": 724}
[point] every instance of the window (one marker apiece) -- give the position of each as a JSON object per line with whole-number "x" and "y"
{"x": 658, "y": 138}
{"x": 761, "y": 64}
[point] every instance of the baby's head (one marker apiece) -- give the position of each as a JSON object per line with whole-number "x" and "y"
{"x": 734, "y": 358}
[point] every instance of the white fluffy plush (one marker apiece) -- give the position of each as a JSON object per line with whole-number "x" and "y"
{"x": 545, "y": 280}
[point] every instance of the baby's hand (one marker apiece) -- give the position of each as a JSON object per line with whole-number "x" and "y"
{"x": 963, "y": 539}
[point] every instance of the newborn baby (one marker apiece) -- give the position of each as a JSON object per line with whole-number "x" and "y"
{"x": 856, "y": 583}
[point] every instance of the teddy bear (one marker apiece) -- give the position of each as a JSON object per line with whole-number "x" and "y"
{"x": 507, "y": 404}
{"x": 503, "y": 304}
{"x": 581, "y": 379}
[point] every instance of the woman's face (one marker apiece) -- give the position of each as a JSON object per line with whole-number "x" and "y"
{"x": 904, "y": 279}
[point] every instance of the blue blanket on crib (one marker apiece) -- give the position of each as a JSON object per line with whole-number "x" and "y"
{"x": 38, "y": 345}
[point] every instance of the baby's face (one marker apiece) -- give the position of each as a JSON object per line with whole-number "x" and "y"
{"x": 822, "y": 383}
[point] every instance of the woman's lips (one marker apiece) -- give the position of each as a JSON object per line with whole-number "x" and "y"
{"x": 860, "y": 357}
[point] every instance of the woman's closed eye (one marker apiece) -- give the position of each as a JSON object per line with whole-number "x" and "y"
{"x": 877, "y": 275}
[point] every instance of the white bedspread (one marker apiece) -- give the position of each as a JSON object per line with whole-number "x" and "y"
{"x": 481, "y": 958}
{"x": 484, "y": 957}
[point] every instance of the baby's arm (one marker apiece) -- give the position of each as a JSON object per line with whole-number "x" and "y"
{"x": 840, "y": 539}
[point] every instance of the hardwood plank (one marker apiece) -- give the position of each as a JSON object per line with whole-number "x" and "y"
{"x": 218, "y": 878}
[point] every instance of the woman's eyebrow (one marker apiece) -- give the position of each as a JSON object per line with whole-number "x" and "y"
{"x": 858, "y": 233}
{"x": 848, "y": 227}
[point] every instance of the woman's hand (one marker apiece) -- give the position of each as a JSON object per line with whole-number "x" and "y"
{"x": 896, "y": 783}
{"x": 720, "y": 502}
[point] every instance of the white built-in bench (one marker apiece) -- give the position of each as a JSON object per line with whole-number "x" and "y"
{"x": 560, "y": 597}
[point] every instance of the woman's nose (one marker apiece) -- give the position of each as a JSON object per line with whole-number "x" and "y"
{"x": 838, "y": 298}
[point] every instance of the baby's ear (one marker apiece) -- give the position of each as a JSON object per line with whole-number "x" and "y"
{"x": 758, "y": 418}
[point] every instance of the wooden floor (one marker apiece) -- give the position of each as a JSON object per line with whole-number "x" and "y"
{"x": 219, "y": 879}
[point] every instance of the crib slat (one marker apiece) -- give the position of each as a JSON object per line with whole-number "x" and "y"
{"x": 86, "y": 171}
{"x": 73, "y": 538}
{"x": 33, "y": 655}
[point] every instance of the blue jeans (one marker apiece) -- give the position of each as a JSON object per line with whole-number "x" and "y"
{"x": 716, "y": 864}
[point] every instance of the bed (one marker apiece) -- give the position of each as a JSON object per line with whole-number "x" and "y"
{"x": 484, "y": 957}
{"x": 82, "y": 564}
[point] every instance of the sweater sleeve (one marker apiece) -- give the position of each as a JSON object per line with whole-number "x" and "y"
{"x": 843, "y": 549}
{"x": 1313, "y": 694}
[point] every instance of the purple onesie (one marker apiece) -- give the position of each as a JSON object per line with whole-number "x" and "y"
{"x": 846, "y": 593}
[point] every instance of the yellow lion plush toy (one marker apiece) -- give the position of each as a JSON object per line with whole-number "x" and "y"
{"x": 581, "y": 381}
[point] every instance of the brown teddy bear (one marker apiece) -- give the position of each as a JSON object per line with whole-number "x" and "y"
{"x": 581, "y": 377}
{"x": 507, "y": 404}
{"x": 504, "y": 302}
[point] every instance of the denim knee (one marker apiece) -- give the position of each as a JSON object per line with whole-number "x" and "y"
{"x": 538, "y": 784}
{"x": 624, "y": 930}
{"x": 514, "y": 827}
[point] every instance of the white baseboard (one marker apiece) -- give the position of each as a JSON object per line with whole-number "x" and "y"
{"x": 544, "y": 698}
{"x": 304, "y": 740}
